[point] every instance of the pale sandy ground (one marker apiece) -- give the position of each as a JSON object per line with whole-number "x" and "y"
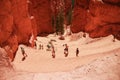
{"x": 42, "y": 61}
{"x": 99, "y": 59}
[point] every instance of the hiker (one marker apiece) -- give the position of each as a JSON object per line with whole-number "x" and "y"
{"x": 66, "y": 50}
{"x": 23, "y": 53}
{"x": 48, "y": 47}
{"x": 53, "y": 52}
{"x": 42, "y": 47}
{"x": 35, "y": 43}
{"x": 77, "y": 52}
{"x": 114, "y": 39}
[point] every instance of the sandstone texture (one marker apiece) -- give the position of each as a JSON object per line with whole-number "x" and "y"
{"x": 21, "y": 20}
{"x": 41, "y": 10}
{"x": 98, "y": 18}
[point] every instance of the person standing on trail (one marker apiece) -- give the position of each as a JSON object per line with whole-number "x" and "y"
{"x": 23, "y": 53}
{"x": 66, "y": 50}
{"x": 42, "y": 46}
{"x": 53, "y": 52}
{"x": 77, "y": 52}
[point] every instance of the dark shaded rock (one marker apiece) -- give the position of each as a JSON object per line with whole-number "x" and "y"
{"x": 41, "y": 10}
{"x": 113, "y": 2}
{"x": 80, "y": 15}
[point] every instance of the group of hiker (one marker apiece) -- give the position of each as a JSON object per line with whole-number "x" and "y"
{"x": 66, "y": 52}
{"x": 50, "y": 48}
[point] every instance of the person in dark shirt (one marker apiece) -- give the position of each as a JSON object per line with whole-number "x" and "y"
{"x": 23, "y": 53}
{"x": 66, "y": 50}
{"x": 53, "y": 52}
{"x": 77, "y": 52}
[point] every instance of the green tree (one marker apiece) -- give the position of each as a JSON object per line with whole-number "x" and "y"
{"x": 59, "y": 21}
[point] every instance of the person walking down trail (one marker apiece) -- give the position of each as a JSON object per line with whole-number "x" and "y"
{"x": 23, "y": 53}
{"x": 66, "y": 50}
{"x": 77, "y": 52}
{"x": 53, "y": 52}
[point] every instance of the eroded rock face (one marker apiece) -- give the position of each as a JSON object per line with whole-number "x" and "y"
{"x": 6, "y": 69}
{"x": 15, "y": 25}
{"x": 68, "y": 5}
{"x": 19, "y": 20}
{"x": 41, "y": 11}
{"x": 22, "y": 21}
{"x": 112, "y": 1}
{"x": 6, "y": 21}
{"x": 98, "y": 18}
{"x": 80, "y": 18}
{"x": 104, "y": 19}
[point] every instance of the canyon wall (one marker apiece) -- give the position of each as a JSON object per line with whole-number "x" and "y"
{"x": 96, "y": 17}
{"x": 80, "y": 15}
{"x": 104, "y": 19}
{"x": 41, "y": 10}
{"x": 7, "y": 36}
{"x": 19, "y": 20}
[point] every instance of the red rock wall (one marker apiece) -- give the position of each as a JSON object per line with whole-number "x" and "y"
{"x": 98, "y": 18}
{"x": 15, "y": 25}
{"x": 41, "y": 10}
{"x": 6, "y": 20}
{"x": 68, "y": 5}
{"x": 105, "y": 19}
{"x": 6, "y": 26}
{"x": 112, "y": 1}
{"x": 80, "y": 17}
{"x": 20, "y": 19}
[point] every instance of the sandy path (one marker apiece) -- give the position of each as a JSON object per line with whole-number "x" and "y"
{"x": 41, "y": 60}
